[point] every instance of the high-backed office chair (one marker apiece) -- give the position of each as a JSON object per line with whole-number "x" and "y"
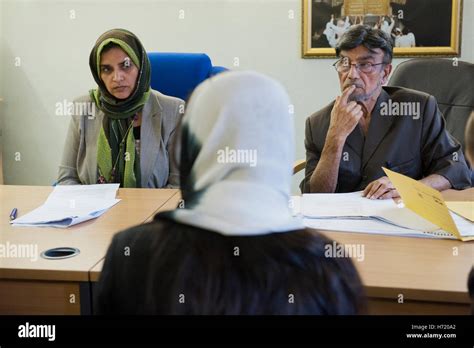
{"x": 178, "y": 74}
{"x": 450, "y": 82}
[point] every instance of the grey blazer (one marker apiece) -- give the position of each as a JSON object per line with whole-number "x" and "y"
{"x": 413, "y": 146}
{"x": 160, "y": 117}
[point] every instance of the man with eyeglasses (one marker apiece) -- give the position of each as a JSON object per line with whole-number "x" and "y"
{"x": 370, "y": 126}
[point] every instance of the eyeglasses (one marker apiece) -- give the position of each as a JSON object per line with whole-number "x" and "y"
{"x": 343, "y": 65}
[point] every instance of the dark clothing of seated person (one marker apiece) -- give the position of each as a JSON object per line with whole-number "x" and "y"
{"x": 235, "y": 247}
{"x": 369, "y": 127}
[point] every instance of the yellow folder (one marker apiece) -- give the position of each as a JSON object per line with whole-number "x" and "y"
{"x": 425, "y": 201}
{"x": 465, "y": 209}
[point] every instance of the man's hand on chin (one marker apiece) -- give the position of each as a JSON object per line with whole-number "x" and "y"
{"x": 381, "y": 188}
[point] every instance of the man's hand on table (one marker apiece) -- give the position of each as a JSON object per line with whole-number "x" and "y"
{"x": 381, "y": 188}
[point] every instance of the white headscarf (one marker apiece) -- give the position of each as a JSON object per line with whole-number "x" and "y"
{"x": 237, "y": 155}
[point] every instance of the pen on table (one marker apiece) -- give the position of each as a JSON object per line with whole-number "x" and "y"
{"x": 13, "y": 214}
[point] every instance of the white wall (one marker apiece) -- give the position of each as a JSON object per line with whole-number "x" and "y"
{"x": 54, "y": 51}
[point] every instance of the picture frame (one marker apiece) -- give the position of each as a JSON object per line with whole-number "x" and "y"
{"x": 418, "y": 27}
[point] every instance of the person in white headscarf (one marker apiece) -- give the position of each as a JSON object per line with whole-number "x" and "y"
{"x": 334, "y": 32}
{"x": 330, "y": 32}
{"x": 235, "y": 248}
{"x": 404, "y": 38}
{"x": 387, "y": 28}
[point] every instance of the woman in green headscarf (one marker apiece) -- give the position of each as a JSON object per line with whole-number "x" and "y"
{"x": 123, "y": 131}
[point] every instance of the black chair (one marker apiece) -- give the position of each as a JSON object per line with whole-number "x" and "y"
{"x": 450, "y": 81}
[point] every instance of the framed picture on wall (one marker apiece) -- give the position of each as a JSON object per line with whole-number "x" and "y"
{"x": 418, "y": 27}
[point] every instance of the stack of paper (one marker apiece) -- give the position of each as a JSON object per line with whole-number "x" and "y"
{"x": 350, "y": 212}
{"x": 352, "y": 206}
{"x": 70, "y": 205}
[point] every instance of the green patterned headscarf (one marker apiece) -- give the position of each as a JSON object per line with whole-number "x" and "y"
{"x": 117, "y": 159}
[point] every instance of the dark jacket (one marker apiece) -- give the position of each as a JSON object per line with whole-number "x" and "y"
{"x": 416, "y": 145}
